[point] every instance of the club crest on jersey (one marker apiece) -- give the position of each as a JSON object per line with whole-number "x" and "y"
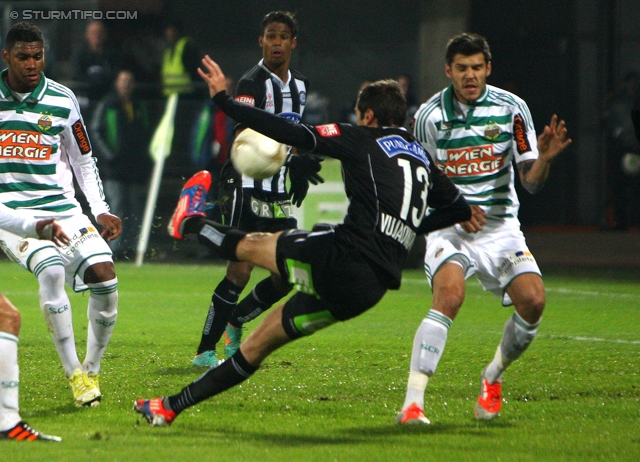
{"x": 44, "y": 122}
{"x": 303, "y": 97}
{"x": 394, "y": 145}
{"x": 269, "y": 104}
{"x": 491, "y": 131}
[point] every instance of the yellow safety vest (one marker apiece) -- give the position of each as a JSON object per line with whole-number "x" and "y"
{"x": 175, "y": 78}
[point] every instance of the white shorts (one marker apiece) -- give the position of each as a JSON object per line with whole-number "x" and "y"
{"x": 496, "y": 255}
{"x": 86, "y": 249}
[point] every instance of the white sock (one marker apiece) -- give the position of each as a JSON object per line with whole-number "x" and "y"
{"x": 9, "y": 381}
{"x": 102, "y": 314}
{"x": 428, "y": 346}
{"x": 518, "y": 335}
{"x": 56, "y": 309}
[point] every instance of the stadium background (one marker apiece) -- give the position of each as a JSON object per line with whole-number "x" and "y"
{"x": 562, "y": 57}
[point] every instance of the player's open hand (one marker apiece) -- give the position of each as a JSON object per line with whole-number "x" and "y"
{"x": 553, "y": 139}
{"x": 49, "y": 229}
{"x": 477, "y": 221}
{"x": 111, "y": 226}
{"x": 213, "y": 77}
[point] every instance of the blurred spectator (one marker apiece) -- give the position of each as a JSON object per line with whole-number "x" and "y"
{"x": 121, "y": 136}
{"x": 179, "y": 74}
{"x": 211, "y": 138}
{"x": 180, "y": 63}
{"x": 624, "y": 184}
{"x": 412, "y": 101}
{"x": 94, "y": 64}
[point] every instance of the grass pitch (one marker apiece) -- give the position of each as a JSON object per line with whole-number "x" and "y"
{"x": 575, "y": 395}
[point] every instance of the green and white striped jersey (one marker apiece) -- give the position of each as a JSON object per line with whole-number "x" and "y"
{"x": 43, "y": 144}
{"x": 476, "y": 145}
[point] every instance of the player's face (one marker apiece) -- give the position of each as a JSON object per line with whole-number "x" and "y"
{"x": 277, "y": 41}
{"x": 469, "y": 76}
{"x": 25, "y": 62}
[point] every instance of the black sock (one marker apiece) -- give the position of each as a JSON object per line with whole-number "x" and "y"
{"x": 261, "y": 298}
{"x": 223, "y": 301}
{"x": 225, "y": 375}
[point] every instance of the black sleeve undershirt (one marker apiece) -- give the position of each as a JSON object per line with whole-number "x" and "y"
{"x": 446, "y": 216}
{"x": 273, "y": 126}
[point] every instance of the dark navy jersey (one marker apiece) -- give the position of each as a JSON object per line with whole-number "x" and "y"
{"x": 389, "y": 178}
{"x": 262, "y": 89}
{"x": 390, "y": 181}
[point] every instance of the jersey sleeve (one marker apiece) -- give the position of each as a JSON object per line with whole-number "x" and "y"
{"x": 245, "y": 92}
{"x": 17, "y": 222}
{"x": 424, "y": 129}
{"x": 77, "y": 147}
{"x": 338, "y": 141}
{"x": 525, "y": 140}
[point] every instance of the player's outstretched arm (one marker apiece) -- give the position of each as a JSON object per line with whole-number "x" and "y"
{"x": 551, "y": 142}
{"x": 273, "y": 126}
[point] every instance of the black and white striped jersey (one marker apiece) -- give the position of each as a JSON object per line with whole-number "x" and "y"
{"x": 261, "y": 88}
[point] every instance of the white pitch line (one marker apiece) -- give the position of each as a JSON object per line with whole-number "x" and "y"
{"x": 590, "y": 339}
{"x": 591, "y": 293}
{"x": 586, "y": 293}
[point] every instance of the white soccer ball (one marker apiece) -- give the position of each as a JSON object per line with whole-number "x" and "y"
{"x": 631, "y": 163}
{"x": 256, "y": 155}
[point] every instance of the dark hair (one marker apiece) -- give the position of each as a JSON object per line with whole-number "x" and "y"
{"x": 467, "y": 44}
{"x": 385, "y": 99}
{"x": 23, "y": 32}
{"x": 283, "y": 17}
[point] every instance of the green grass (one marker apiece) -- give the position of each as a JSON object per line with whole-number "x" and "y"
{"x": 334, "y": 396}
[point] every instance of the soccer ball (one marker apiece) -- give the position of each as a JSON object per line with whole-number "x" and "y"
{"x": 256, "y": 155}
{"x": 631, "y": 163}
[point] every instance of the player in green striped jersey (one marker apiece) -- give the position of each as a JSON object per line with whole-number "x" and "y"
{"x": 476, "y": 133}
{"x": 43, "y": 147}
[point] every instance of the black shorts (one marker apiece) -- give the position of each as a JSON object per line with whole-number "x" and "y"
{"x": 321, "y": 267}
{"x": 246, "y": 210}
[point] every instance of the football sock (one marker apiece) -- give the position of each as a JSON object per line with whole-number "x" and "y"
{"x": 223, "y": 301}
{"x": 428, "y": 346}
{"x": 219, "y": 378}
{"x": 102, "y": 314}
{"x": 9, "y": 380}
{"x": 56, "y": 309}
{"x": 518, "y": 335}
{"x": 261, "y": 298}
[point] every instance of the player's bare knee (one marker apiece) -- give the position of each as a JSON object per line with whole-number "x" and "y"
{"x": 531, "y": 306}
{"x": 239, "y": 273}
{"x": 100, "y": 272}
